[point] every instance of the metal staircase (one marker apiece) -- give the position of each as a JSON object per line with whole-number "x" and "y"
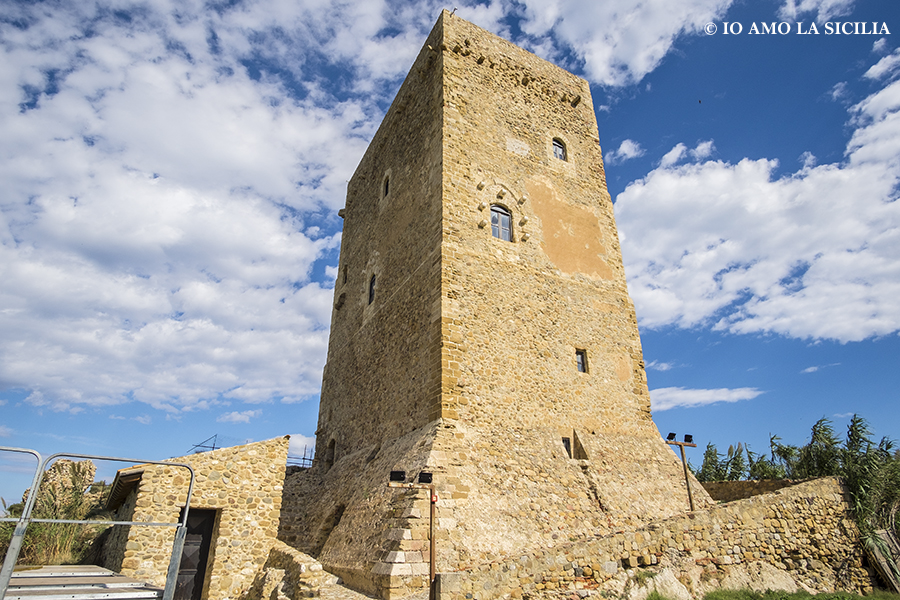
{"x": 76, "y": 582}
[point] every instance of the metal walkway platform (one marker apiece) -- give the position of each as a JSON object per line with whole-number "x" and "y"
{"x": 76, "y": 582}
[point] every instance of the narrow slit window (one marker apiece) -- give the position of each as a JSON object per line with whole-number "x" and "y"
{"x": 567, "y": 444}
{"x": 387, "y": 187}
{"x": 559, "y": 149}
{"x": 371, "y": 289}
{"x": 501, "y": 223}
{"x": 330, "y": 454}
{"x": 581, "y": 361}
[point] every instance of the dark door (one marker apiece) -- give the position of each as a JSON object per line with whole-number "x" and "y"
{"x": 195, "y": 555}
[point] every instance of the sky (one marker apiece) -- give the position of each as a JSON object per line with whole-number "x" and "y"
{"x": 171, "y": 174}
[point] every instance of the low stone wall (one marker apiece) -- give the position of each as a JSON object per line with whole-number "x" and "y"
{"x": 802, "y": 536}
{"x": 728, "y": 491}
{"x": 289, "y": 574}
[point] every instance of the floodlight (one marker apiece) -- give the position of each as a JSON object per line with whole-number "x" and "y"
{"x": 688, "y": 438}
{"x": 425, "y": 477}
{"x": 398, "y": 476}
{"x": 670, "y": 437}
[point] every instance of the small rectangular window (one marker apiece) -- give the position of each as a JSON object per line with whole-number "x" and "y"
{"x": 567, "y": 444}
{"x": 581, "y": 361}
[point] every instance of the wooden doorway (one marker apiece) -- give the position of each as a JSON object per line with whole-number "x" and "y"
{"x": 201, "y": 524}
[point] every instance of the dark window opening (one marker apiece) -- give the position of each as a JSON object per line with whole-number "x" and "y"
{"x": 567, "y": 444}
{"x": 559, "y": 149}
{"x": 581, "y": 361}
{"x": 372, "y": 289}
{"x": 501, "y": 223}
{"x": 330, "y": 454}
{"x": 387, "y": 187}
{"x": 345, "y": 275}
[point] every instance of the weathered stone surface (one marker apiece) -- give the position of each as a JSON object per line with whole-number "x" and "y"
{"x": 800, "y": 537}
{"x": 244, "y": 532}
{"x": 726, "y": 491}
{"x": 453, "y": 351}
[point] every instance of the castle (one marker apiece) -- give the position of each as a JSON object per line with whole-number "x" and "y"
{"x": 481, "y": 331}
{"x": 482, "y": 336}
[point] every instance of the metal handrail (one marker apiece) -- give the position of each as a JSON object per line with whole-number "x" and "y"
{"x": 15, "y": 545}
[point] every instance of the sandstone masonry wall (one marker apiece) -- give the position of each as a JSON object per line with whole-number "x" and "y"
{"x": 726, "y": 491}
{"x": 242, "y": 483}
{"x": 805, "y": 532}
{"x": 464, "y": 361}
{"x": 386, "y": 313}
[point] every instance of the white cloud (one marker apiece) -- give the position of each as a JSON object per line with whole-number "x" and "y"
{"x": 703, "y": 150}
{"x": 673, "y": 156}
{"x": 679, "y": 152}
{"x": 808, "y": 160}
{"x": 238, "y": 416}
{"x": 618, "y": 42}
{"x": 825, "y": 9}
{"x": 5, "y": 431}
{"x": 627, "y": 150}
{"x": 678, "y": 397}
{"x": 815, "y": 368}
{"x": 886, "y": 66}
{"x": 655, "y": 365}
{"x": 809, "y": 255}
{"x": 162, "y": 210}
{"x": 839, "y": 91}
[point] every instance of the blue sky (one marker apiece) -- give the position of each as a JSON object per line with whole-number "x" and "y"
{"x": 171, "y": 173}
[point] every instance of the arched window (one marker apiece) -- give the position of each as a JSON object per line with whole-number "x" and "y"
{"x": 372, "y": 289}
{"x": 501, "y": 223}
{"x": 559, "y": 149}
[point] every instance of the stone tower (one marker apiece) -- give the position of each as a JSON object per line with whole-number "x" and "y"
{"x": 481, "y": 330}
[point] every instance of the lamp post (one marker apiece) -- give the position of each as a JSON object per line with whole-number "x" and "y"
{"x": 425, "y": 482}
{"x": 688, "y": 441}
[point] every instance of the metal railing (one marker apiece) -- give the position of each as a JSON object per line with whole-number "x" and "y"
{"x": 22, "y": 522}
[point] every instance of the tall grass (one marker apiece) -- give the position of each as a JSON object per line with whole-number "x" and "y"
{"x": 59, "y": 543}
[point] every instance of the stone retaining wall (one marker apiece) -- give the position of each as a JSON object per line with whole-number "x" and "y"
{"x": 727, "y": 491}
{"x": 805, "y": 532}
